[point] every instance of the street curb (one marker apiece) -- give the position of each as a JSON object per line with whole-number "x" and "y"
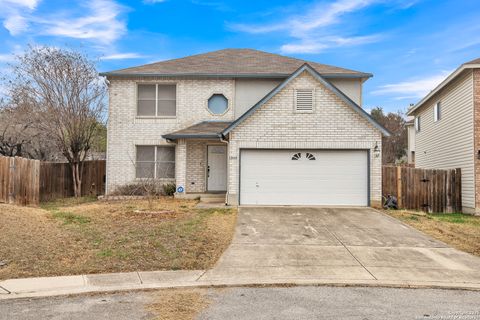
{"x": 89, "y": 288}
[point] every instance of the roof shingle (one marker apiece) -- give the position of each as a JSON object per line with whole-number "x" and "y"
{"x": 205, "y": 129}
{"x": 233, "y": 62}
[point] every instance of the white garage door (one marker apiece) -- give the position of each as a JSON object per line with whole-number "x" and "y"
{"x": 304, "y": 177}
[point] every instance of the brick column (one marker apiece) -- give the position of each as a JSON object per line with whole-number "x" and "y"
{"x": 181, "y": 166}
{"x": 476, "y": 122}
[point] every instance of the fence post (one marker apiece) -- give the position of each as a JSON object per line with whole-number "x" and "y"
{"x": 11, "y": 180}
{"x": 399, "y": 187}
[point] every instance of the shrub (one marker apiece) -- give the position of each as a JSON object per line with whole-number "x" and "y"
{"x": 169, "y": 189}
{"x": 137, "y": 189}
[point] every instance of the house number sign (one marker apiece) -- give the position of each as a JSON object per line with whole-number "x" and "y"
{"x": 180, "y": 189}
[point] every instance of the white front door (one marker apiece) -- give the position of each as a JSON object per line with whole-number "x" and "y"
{"x": 217, "y": 168}
{"x": 304, "y": 177}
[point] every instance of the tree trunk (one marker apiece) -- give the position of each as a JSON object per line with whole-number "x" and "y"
{"x": 77, "y": 180}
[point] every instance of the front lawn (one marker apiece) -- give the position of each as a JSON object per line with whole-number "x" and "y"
{"x": 86, "y": 236}
{"x": 459, "y": 230}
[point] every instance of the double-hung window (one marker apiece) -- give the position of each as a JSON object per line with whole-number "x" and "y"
{"x": 437, "y": 112}
{"x": 155, "y": 162}
{"x": 156, "y": 100}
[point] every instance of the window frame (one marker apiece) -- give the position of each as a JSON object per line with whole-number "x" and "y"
{"x": 295, "y": 105}
{"x": 156, "y": 84}
{"x": 155, "y": 161}
{"x": 218, "y": 94}
{"x": 437, "y": 112}
{"x": 417, "y": 124}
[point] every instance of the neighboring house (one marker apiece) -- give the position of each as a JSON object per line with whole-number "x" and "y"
{"x": 410, "y": 140}
{"x": 447, "y": 130}
{"x": 258, "y": 127}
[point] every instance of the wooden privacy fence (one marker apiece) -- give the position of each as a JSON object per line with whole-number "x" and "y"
{"x": 19, "y": 180}
{"x": 27, "y": 182}
{"x": 424, "y": 189}
{"x": 56, "y": 179}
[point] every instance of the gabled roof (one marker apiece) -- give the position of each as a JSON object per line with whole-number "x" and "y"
{"x": 202, "y": 130}
{"x": 306, "y": 67}
{"x": 233, "y": 63}
{"x": 473, "y": 64}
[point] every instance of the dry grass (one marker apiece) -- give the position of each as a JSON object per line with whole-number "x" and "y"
{"x": 174, "y": 304}
{"x": 71, "y": 237}
{"x": 458, "y": 230}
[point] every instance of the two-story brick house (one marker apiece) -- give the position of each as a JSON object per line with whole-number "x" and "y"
{"x": 259, "y": 127}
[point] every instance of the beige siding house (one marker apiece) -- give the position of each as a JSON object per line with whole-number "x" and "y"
{"x": 251, "y": 127}
{"x": 444, "y": 130}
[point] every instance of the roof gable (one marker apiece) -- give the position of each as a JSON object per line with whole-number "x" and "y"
{"x": 474, "y": 64}
{"x": 234, "y": 63}
{"x": 306, "y": 67}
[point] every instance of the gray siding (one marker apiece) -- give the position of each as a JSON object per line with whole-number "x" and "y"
{"x": 449, "y": 142}
{"x": 249, "y": 91}
{"x": 352, "y": 88}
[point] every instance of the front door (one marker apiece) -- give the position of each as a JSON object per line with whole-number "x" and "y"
{"x": 217, "y": 168}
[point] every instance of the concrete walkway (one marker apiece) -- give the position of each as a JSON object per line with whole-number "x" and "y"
{"x": 296, "y": 246}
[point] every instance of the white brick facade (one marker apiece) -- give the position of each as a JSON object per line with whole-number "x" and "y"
{"x": 333, "y": 125}
{"x": 125, "y": 129}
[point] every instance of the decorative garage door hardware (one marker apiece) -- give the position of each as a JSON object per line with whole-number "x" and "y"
{"x": 308, "y": 156}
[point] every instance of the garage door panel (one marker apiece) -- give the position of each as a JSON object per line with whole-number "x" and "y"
{"x": 336, "y": 177}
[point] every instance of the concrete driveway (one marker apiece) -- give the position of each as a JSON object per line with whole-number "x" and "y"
{"x": 343, "y": 245}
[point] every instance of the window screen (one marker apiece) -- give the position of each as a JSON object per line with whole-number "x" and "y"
{"x": 146, "y": 100}
{"x": 155, "y": 162}
{"x": 165, "y": 162}
{"x": 166, "y": 101}
{"x": 157, "y": 100}
{"x": 145, "y": 164}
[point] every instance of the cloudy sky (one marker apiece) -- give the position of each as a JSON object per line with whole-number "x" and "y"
{"x": 409, "y": 45}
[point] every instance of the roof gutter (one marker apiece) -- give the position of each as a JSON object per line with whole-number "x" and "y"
{"x": 233, "y": 75}
{"x": 445, "y": 82}
{"x": 190, "y": 136}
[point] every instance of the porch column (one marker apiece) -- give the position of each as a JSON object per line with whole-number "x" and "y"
{"x": 181, "y": 165}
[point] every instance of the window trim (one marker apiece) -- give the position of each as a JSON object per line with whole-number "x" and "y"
{"x": 156, "y": 146}
{"x": 295, "y": 110}
{"x": 218, "y": 93}
{"x": 417, "y": 124}
{"x": 156, "y": 116}
{"x": 437, "y": 112}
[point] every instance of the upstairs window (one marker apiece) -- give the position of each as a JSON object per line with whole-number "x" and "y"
{"x": 417, "y": 124}
{"x": 156, "y": 100}
{"x": 437, "y": 112}
{"x": 304, "y": 100}
{"x": 218, "y": 104}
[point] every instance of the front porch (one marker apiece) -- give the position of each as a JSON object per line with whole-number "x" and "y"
{"x": 201, "y": 161}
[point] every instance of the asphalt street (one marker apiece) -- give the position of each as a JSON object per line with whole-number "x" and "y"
{"x": 263, "y": 303}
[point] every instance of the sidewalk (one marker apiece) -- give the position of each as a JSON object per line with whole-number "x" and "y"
{"x": 67, "y": 285}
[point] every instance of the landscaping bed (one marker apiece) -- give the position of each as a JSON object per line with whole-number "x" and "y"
{"x": 459, "y": 230}
{"x": 82, "y": 236}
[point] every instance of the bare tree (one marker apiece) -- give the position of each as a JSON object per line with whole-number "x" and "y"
{"x": 395, "y": 146}
{"x": 66, "y": 98}
{"x": 20, "y": 137}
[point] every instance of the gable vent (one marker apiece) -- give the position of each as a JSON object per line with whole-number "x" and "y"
{"x": 304, "y": 100}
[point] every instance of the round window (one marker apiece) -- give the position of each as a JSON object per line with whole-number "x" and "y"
{"x": 217, "y": 104}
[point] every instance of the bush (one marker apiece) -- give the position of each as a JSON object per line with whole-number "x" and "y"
{"x": 169, "y": 189}
{"x": 137, "y": 189}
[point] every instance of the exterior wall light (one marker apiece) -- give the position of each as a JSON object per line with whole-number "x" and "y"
{"x": 376, "y": 150}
